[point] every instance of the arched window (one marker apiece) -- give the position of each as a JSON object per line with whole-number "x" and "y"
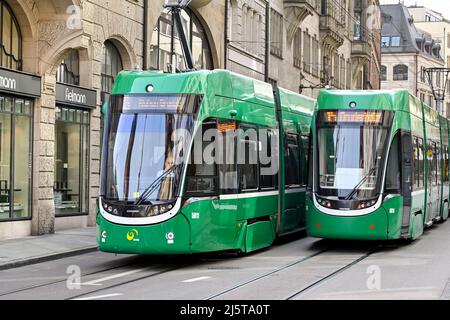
{"x": 383, "y": 74}
{"x": 400, "y": 72}
{"x": 111, "y": 66}
{"x": 166, "y": 43}
{"x": 69, "y": 69}
{"x": 10, "y": 39}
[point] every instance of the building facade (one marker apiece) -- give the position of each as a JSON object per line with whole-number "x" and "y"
{"x": 406, "y": 52}
{"x": 306, "y": 45}
{"x": 58, "y": 65}
{"x": 439, "y": 29}
{"x": 60, "y": 60}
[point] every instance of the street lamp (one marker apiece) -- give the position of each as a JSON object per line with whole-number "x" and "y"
{"x": 438, "y": 79}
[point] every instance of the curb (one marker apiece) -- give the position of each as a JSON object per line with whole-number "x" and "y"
{"x": 45, "y": 258}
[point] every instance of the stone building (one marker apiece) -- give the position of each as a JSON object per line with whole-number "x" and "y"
{"x": 439, "y": 29}
{"x": 406, "y": 52}
{"x": 58, "y": 65}
{"x": 60, "y": 59}
{"x": 305, "y": 45}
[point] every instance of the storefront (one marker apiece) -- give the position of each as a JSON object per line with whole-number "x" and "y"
{"x": 72, "y": 127}
{"x": 17, "y": 93}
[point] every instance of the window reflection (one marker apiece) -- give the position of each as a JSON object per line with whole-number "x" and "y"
{"x": 15, "y": 158}
{"x": 71, "y": 161}
{"x": 166, "y": 43}
{"x": 10, "y": 40}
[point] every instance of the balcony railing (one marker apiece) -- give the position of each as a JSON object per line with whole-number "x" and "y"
{"x": 361, "y": 48}
{"x": 330, "y": 25}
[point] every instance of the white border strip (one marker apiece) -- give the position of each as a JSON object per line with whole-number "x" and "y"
{"x": 140, "y": 221}
{"x": 349, "y": 213}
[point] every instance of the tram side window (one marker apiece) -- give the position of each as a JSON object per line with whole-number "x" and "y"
{"x": 304, "y": 159}
{"x": 421, "y": 163}
{"x": 392, "y": 184}
{"x": 269, "y": 176}
{"x": 415, "y": 182}
{"x": 292, "y": 160}
{"x": 437, "y": 158}
{"x": 202, "y": 175}
{"x": 228, "y": 172}
{"x": 431, "y": 162}
{"x": 445, "y": 169}
{"x": 248, "y": 158}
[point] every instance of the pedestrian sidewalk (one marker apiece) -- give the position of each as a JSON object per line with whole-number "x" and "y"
{"x": 30, "y": 250}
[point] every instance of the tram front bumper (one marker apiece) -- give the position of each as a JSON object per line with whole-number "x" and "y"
{"x": 169, "y": 237}
{"x": 372, "y": 226}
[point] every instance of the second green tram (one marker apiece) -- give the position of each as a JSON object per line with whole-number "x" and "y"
{"x": 171, "y": 180}
{"x": 379, "y": 166}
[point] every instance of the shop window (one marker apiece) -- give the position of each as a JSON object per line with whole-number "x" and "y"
{"x": 15, "y": 158}
{"x": 10, "y": 40}
{"x": 71, "y": 161}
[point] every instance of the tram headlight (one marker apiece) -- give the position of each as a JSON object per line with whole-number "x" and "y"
{"x": 367, "y": 204}
{"x": 156, "y": 210}
{"x": 324, "y": 202}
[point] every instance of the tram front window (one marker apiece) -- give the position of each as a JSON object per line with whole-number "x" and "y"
{"x": 351, "y": 147}
{"x": 147, "y": 141}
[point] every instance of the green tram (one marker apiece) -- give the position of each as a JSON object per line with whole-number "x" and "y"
{"x": 380, "y": 166}
{"x": 160, "y": 191}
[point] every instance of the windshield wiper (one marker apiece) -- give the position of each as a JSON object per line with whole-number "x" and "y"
{"x": 155, "y": 184}
{"x": 360, "y": 183}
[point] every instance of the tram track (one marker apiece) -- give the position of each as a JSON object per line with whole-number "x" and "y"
{"x": 330, "y": 275}
{"x": 308, "y": 286}
{"x": 265, "y": 275}
{"x": 164, "y": 266}
{"x": 37, "y": 286}
{"x": 125, "y": 282}
{"x": 137, "y": 262}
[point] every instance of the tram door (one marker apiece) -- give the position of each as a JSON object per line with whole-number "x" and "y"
{"x": 430, "y": 180}
{"x": 431, "y": 183}
{"x": 437, "y": 189}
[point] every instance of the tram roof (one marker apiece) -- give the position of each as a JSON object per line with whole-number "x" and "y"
{"x": 294, "y": 102}
{"x": 206, "y": 82}
{"x": 398, "y": 99}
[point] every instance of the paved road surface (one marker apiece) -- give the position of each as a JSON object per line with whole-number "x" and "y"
{"x": 303, "y": 268}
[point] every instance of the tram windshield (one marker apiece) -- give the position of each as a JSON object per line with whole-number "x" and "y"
{"x": 147, "y": 141}
{"x": 351, "y": 149}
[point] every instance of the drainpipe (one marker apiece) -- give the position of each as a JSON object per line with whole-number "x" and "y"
{"x": 417, "y": 74}
{"x": 225, "y": 50}
{"x": 145, "y": 51}
{"x": 267, "y": 53}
